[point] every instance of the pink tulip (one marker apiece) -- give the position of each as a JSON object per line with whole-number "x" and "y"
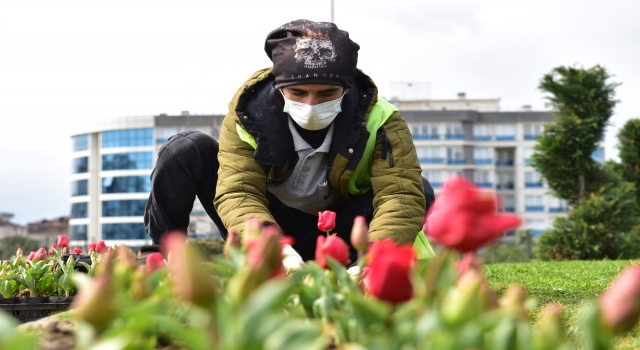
{"x": 360, "y": 233}
{"x": 63, "y": 241}
{"x": 464, "y": 217}
{"x": 154, "y": 262}
{"x": 333, "y": 247}
{"x": 389, "y": 276}
{"x": 41, "y": 254}
{"x": 620, "y": 304}
{"x": 31, "y": 255}
{"x": 52, "y": 249}
{"x": 326, "y": 221}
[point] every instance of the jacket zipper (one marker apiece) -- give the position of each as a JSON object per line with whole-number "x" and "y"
{"x": 386, "y": 146}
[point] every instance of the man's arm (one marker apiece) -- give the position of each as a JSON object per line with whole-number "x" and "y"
{"x": 241, "y": 187}
{"x": 399, "y": 200}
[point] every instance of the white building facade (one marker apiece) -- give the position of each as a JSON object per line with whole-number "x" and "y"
{"x": 112, "y": 162}
{"x": 491, "y": 148}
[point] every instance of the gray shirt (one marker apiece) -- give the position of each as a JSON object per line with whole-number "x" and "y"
{"x": 307, "y": 187}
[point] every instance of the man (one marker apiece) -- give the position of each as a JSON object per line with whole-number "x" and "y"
{"x": 307, "y": 135}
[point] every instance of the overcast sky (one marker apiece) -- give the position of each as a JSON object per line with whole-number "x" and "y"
{"x": 65, "y": 63}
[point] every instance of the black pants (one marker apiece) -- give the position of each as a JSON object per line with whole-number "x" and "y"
{"x": 187, "y": 167}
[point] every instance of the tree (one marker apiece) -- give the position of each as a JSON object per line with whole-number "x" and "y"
{"x": 629, "y": 146}
{"x": 9, "y": 245}
{"x": 603, "y": 220}
{"x": 582, "y": 101}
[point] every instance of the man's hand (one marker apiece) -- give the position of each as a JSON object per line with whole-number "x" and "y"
{"x": 290, "y": 258}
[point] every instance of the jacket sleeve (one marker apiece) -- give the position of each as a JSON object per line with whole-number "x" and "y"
{"x": 241, "y": 187}
{"x": 399, "y": 201}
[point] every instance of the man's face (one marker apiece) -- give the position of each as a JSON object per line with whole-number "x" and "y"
{"x": 313, "y": 94}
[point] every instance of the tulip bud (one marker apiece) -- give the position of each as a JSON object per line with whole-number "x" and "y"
{"x": 95, "y": 303}
{"x": 192, "y": 282}
{"x": 550, "y": 327}
{"x": 52, "y": 250}
{"x": 19, "y": 253}
{"x": 139, "y": 285}
{"x": 360, "y": 233}
{"x": 65, "y": 250}
{"x": 387, "y": 275}
{"x": 620, "y": 304}
{"x": 77, "y": 250}
{"x": 41, "y": 254}
{"x": 463, "y": 303}
{"x": 513, "y": 302}
{"x": 232, "y": 242}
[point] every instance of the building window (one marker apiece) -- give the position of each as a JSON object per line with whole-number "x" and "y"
{"x": 535, "y": 226}
{"x": 532, "y": 179}
{"x": 79, "y": 232}
{"x": 531, "y": 131}
{"x": 481, "y": 179}
{"x": 481, "y": 132}
{"x": 505, "y": 181}
{"x": 433, "y": 176}
{"x": 598, "y": 155}
{"x": 528, "y": 152}
{"x": 424, "y": 131}
{"x": 504, "y": 158}
{"x": 509, "y": 204}
{"x": 126, "y": 184}
{"x": 124, "y": 231}
{"x": 534, "y": 203}
{"x": 80, "y": 188}
{"x": 164, "y": 134}
{"x": 124, "y": 207}
{"x": 429, "y": 155}
{"x": 482, "y": 156}
{"x": 127, "y": 138}
{"x": 561, "y": 207}
{"x": 80, "y": 143}
{"x": 80, "y": 165}
{"x": 454, "y": 131}
{"x": 455, "y": 155}
{"x": 127, "y": 161}
{"x": 79, "y": 210}
{"x": 505, "y": 132}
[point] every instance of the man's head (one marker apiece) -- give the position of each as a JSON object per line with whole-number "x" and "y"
{"x": 305, "y": 52}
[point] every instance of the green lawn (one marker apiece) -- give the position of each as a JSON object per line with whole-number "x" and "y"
{"x": 573, "y": 283}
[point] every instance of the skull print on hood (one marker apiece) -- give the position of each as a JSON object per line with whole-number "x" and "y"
{"x": 306, "y": 52}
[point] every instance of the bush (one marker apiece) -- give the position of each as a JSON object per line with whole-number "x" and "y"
{"x": 9, "y": 245}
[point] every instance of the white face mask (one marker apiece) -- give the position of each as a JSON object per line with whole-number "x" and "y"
{"x": 315, "y": 117}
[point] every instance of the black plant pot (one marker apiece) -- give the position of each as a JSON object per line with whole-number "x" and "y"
{"x": 8, "y": 301}
{"x": 36, "y": 300}
{"x": 78, "y": 258}
{"x": 60, "y": 299}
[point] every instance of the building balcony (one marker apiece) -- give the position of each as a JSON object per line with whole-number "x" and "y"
{"x": 426, "y": 137}
{"x": 534, "y": 208}
{"x": 509, "y": 209}
{"x": 533, "y": 184}
{"x": 527, "y": 161}
{"x": 536, "y": 232}
{"x": 505, "y": 138}
{"x": 436, "y": 184}
{"x": 507, "y": 186}
{"x": 504, "y": 162}
{"x": 431, "y": 160}
{"x": 482, "y": 161}
{"x": 558, "y": 210}
{"x": 530, "y": 137}
{"x": 484, "y": 184}
{"x": 454, "y": 137}
{"x": 482, "y": 138}
{"x": 456, "y": 161}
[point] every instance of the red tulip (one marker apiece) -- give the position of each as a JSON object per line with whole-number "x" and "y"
{"x": 389, "y": 276}
{"x": 63, "y": 241}
{"x": 464, "y": 217}
{"x": 52, "y": 249}
{"x": 154, "y": 262}
{"x": 620, "y": 304}
{"x": 77, "y": 250}
{"x": 31, "y": 255}
{"x": 332, "y": 247}
{"x": 326, "y": 221}
{"x": 101, "y": 247}
{"x": 92, "y": 247}
{"x": 266, "y": 253}
{"x": 41, "y": 254}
